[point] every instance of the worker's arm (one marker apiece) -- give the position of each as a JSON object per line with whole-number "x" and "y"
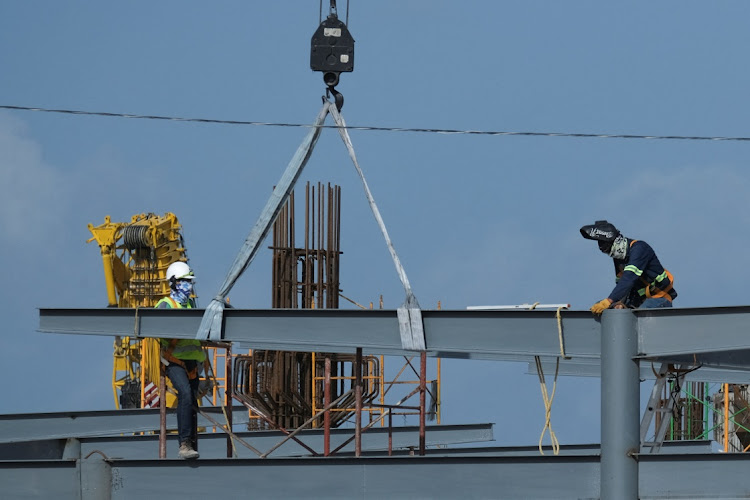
{"x": 640, "y": 255}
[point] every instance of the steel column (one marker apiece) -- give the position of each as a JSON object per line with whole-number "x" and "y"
{"x": 620, "y": 401}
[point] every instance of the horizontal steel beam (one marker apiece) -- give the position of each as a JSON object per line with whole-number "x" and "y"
{"x": 504, "y": 335}
{"x": 20, "y": 427}
{"x": 214, "y": 444}
{"x": 648, "y": 369}
{"x": 713, "y": 336}
{"x": 566, "y": 450}
{"x": 541, "y": 477}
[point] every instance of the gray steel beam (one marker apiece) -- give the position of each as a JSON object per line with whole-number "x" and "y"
{"x": 58, "y": 479}
{"x": 620, "y": 403}
{"x": 548, "y": 477}
{"x": 502, "y": 335}
{"x": 18, "y": 427}
{"x": 669, "y": 447}
{"x": 137, "y": 447}
{"x": 592, "y": 368}
{"x": 713, "y": 336}
{"x": 214, "y": 445}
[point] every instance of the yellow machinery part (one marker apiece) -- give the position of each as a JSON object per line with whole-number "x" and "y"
{"x": 135, "y": 257}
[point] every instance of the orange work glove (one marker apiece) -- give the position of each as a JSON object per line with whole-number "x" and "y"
{"x": 601, "y": 306}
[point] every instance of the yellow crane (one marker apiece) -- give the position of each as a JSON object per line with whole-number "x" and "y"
{"x": 135, "y": 256}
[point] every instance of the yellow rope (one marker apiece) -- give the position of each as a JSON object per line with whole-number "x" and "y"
{"x": 547, "y": 405}
{"x": 543, "y": 385}
{"x": 560, "y": 332}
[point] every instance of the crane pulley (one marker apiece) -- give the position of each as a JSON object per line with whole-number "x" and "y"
{"x": 332, "y": 51}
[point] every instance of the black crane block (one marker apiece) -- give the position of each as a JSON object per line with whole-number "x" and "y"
{"x": 332, "y": 50}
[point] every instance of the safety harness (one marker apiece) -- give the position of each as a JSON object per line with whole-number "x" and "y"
{"x": 653, "y": 290}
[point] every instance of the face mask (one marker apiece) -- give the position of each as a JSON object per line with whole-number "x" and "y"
{"x": 619, "y": 248}
{"x": 182, "y": 291}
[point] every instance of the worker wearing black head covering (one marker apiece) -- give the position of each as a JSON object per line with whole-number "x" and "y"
{"x": 641, "y": 279}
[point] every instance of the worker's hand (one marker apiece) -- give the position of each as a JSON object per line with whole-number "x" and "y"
{"x": 601, "y": 306}
{"x": 205, "y": 387}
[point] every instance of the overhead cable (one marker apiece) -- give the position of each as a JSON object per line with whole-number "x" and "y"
{"x": 384, "y": 129}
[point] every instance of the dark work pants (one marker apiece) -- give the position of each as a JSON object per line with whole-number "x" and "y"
{"x": 187, "y": 403}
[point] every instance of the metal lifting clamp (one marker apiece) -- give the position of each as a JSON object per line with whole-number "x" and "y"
{"x": 332, "y": 52}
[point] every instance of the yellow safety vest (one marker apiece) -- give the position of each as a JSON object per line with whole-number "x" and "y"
{"x": 183, "y": 349}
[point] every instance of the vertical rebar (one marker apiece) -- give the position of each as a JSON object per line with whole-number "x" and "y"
{"x": 358, "y": 403}
{"x": 319, "y": 253}
{"x": 306, "y": 301}
{"x": 327, "y": 402}
{"x": 725, "y": 387}
{"x": 291, "y": 256}
{"x": 305, "y": 277}
{"x": 228, "y": 391}
{"x": 422, "y": 390}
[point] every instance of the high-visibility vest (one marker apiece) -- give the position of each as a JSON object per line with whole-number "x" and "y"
{"x": 180, "y": 349}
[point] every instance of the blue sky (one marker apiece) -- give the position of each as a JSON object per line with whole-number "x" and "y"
{"x": 476, "y": 219}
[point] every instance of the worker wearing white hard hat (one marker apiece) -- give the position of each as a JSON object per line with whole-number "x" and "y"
{"x": 183, "y": 359}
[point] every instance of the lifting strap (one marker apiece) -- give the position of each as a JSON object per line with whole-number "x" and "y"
{"x": 210, "y": 327}
{"x": 409, "y": 314}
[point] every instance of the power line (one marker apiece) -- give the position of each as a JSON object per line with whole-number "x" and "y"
{"x": 383, "y": 129}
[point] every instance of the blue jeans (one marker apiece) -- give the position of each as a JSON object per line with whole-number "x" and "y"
{"x": 187, "y": 400}
{"x": 655, "y": 303}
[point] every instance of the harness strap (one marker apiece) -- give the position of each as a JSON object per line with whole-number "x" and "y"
{"x": 662, "y": 293}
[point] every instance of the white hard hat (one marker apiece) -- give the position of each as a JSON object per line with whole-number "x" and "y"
{"x": 179, "y": 271}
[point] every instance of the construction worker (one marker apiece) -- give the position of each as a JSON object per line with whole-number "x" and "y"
{"x": 642, "y": 282}
{"x": 183, "y": 359}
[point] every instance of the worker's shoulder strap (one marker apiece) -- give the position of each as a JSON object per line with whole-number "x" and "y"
{"x": 632, "y": 243}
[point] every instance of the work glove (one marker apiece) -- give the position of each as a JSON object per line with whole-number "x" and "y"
{"x": 601, "y": 306}
{"x": 205, "y": 386}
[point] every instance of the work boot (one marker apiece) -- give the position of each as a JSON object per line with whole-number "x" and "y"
{"x": 186, "y": 451}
